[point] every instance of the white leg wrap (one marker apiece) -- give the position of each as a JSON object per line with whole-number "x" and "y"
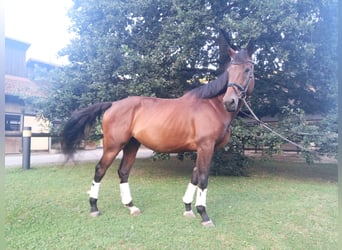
{"x": 201, "y": 197}
{"x": 189, "y": 193}
{"x": 94, "y": 190}
{"x": 125, "y": 193}
{"x": 134, "y": 210}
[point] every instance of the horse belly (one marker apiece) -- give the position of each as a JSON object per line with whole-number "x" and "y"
{"x": 166, "y": 139}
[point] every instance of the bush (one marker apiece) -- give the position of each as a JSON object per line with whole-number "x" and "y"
{"x": 228, "y": 162}
{"x": 320, "y": 137}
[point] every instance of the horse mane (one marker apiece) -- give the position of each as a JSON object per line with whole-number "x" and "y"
{"x": 213, "y": 88}
{"x": 219, "y": 86}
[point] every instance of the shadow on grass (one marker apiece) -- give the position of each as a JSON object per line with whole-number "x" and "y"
{"x": 261, "y": 168}
{"x": 294, "y": 170}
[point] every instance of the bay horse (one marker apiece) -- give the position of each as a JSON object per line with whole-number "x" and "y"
{"x": 197, "y": 121}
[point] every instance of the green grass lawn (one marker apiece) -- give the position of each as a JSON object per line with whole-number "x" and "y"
{"x": 273, "y": 208}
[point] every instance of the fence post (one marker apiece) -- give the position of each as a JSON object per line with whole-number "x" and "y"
{"x": 27, "y": 147}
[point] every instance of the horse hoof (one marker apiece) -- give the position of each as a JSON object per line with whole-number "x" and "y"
{"x": 189, "y": 214}
{"x": 208, "y": 223}
{"x": 94, "y": 214}
{"x": 134, "y": 211}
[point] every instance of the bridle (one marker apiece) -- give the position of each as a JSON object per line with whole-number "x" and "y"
{"x": 243, "y": 90}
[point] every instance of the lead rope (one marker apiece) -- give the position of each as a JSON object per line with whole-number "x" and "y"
{"x": 271, "y": 130}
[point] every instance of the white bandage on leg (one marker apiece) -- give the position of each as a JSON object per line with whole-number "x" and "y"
{"x": 201, "y": 197}
{"x": 125, "y": 193}
{"x": 94, "y": 190}
{"x": 189, "y": 193}
{"x": 134, "y": 210}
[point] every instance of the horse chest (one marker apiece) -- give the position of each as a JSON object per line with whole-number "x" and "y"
{"x": 224, "y": 140}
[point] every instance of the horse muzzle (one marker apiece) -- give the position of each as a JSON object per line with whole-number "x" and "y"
{"x": 231, "y": 103}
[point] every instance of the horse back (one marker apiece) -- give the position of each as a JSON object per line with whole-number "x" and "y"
{"x": 165, "y": 125}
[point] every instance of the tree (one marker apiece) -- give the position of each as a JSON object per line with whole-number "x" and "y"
{"x": 162, "y": 48}
{"x": 157, "y": 48}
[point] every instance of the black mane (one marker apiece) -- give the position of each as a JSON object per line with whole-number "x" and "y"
{"x": 219, "y": 86}
{"x": 213, "y": 88}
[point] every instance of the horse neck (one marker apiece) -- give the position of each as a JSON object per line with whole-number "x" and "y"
{"x": 220, "y": 97}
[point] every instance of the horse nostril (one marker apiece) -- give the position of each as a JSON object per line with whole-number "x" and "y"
{"x": 230, "y": 105}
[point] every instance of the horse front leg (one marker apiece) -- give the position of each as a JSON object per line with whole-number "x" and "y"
{"x": 204, "y": 156}
{"x": 201, "y": 198}
{"x": 190, "y": 193}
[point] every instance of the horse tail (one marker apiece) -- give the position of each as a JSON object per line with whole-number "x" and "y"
{"x": 78, "y": 126}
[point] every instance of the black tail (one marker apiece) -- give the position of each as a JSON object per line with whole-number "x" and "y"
{"x": 78, "y": 126}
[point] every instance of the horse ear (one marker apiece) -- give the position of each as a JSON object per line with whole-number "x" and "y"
{"x": 223, "y": 35}
{"x": 225, "y": 50}
{"x": 231, "y": 52}
{"x": 251, "y": 47}
{"x": 224, "y": 41}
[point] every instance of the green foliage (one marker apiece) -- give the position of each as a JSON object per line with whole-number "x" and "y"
{"x": 228, "y": 162}
{"x": 328, "y": 134}
{"x": 318, "y": 137}
{"x": 157, "y": 48}
{"x": 162, "y": 48}
{"x": 231, "y": 159}
{"x": 187, "y": 155}
{"x": 160, "y": 156}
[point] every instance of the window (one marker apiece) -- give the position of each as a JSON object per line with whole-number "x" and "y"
{"x": 12, "y": 122}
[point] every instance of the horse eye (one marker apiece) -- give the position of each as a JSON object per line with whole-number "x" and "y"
{"x": 247, "y": 70}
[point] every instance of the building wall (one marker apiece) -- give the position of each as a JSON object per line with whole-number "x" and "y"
{"x": 38, "y": 126}
{"x": 13, "y": 125}
{"x": 13, "y": 144}
{"x": 16, "y": 112}
{"x": 12, "y": 107}
{"x": 15, "y": 57}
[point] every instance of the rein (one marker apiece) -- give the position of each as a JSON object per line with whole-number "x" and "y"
{"x": 272, "y": 130}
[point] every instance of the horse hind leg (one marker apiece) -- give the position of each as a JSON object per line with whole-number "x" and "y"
{"x": 100, "y": 170}
{"x": 129, "y": 156}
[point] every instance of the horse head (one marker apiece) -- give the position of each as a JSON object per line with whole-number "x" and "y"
{"x": 240, "y": 77}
